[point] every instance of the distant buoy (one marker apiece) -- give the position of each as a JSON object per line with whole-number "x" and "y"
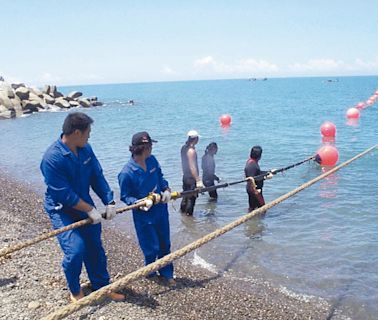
{"x": 328, "y": 129}
{"x": 225, "y": 120}
{"x": 328, "y": 155}
{"x": 360, "y": 105}
{"x": 370, "y": 102}
{"x": 353, "y": 113}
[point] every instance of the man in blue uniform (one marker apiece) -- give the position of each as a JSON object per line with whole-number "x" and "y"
{"x": 140, "y": 177}
{"x": 208, "y": 169}
{"x": 70, "y": 169}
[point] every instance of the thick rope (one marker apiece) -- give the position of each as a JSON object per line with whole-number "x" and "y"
{"x": 47, "y": 235}
{"x": 175, "y": 195}
{"x": 121, "y": 283}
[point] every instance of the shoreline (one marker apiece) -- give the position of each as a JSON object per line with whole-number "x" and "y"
{"x": 32, "y": 283}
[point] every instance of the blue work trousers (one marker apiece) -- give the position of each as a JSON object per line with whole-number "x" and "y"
{"x": 154, "y": 237}
{"x": 81, "y": 245}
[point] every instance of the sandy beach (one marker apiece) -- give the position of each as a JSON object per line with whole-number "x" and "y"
{"x": 32, "y": 283}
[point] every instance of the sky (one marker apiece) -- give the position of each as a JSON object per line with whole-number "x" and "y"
{"x": 69, "y": 42}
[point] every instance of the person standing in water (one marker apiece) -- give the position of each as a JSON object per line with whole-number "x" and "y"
{"x": 191, "y": 179}
{"x": 208, "y": 169}
{"x": 140, "y": 177}
{"x": 252, "y": 169}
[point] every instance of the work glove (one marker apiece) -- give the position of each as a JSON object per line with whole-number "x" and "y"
{"x": 199, "y": 184}
{"x": 269, "y": 175}
{"x": 148, "y": 203}
{"x": 110, "y": 211}
{"x": 218, "y": 179}
{"x": 95, "y": 216}
{"x": 166, "y": 196}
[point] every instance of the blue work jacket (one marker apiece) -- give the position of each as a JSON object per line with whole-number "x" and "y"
{"x": 135, "y": 183}
{"x": 69, "y": 177}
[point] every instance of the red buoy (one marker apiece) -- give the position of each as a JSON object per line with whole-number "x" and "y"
{"x": 328, "y": 129}
{"x": 328, "y": 155}
{"x": 225, "y": 120}
{"x": 370, "y": 102}
{"x": 353, "y": 113}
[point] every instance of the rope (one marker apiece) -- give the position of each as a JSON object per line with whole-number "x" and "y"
{"x": 158, "y": 264}
{"x": 47, "y": 235}
{"x": 174, "y": 195}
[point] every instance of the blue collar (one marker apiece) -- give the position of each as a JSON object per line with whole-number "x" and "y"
{"x": 134, "y": 165}
{"x": 63, "y": 148}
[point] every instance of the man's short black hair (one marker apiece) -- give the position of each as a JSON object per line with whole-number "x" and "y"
{"x": 256, "y": 152}
{"x": 211, "y": 146}
{"x": 76, "y": 121}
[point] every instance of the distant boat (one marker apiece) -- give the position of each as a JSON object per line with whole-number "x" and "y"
{"x": 256, "y": 79}
{"x": 332, "y": 80}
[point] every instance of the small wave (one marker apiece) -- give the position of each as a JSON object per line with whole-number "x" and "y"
{"x": 198, "y": 261}
{"x": 297, "y": 296}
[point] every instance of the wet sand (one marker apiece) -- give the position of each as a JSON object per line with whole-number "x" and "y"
{"x": 32, "y": 283}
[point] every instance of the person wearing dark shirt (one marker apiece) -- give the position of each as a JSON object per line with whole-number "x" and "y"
{"x": 191, "y": 179}
{"x": 252, "y": 169}
{"x": 208, "y": 169}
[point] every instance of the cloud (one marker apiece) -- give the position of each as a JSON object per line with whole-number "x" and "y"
{"x": 168, "y": 71}
{"x": 238, "y": 68}
{"x": 209, "y": 60}
{"x": 317, "y": 65}
{"x": 367, "y": 65}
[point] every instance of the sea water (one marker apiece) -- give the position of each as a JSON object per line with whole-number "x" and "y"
{"x": 322, "y": 242}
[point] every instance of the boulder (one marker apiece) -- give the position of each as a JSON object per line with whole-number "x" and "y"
{"x": 52, "y": 91}
{"x": 6, "y": 89}
{"x": 48, "y": 99}
{"x": 17, "y": 85}
{"x": 22, "y": 93}
{"x": 62, "y": 103}
{"x": 4, "y": 100}
{"x": 58, "y": 94}
{"x": 15, "y": 101}
{"x": 8, "y": 114}
{"x": 85, "y": 103}
{"x": 37, "y": 92}
{"x": 74, "y": 104}
{"x": 74, "y": 94}
{"x": 18, "y": 110}
{"x": 53, "y": 108}
{"x": 96, "y": 103}
{"x": 46, "y": 89}
{"x": 34, "y": 98}
{"x": 30, "y": 106}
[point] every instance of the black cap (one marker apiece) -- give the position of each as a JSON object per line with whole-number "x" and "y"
{"x": 141, "y": 138}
